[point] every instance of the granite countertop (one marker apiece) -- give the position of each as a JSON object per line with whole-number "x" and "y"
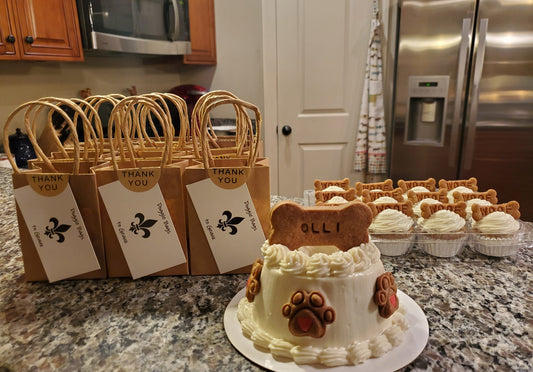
{"x": 478, "y": 309}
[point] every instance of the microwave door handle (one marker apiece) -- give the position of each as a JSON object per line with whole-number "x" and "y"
{"x": 461, "y": 72}
{"x": 173, "y": 24}
{"x": 478, "y": 70}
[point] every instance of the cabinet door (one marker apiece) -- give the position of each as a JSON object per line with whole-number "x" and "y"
{"x": 49, "y": 30}
{"x": 8, "y": 34}
{"x": 202, "y": 25}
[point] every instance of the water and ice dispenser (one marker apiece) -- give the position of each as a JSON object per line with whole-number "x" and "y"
{"x": 426, "y": 110}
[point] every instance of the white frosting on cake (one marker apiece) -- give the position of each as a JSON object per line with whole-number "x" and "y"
{"x": 391, "y": 220}
{"x": 497, "y": 223}
{"x": 442, "y": 221}
{"x": 346, "y": 280}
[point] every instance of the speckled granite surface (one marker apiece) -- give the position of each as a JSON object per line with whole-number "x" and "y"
{"x": 479, "y": 311}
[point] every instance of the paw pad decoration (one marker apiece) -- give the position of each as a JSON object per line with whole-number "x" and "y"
{"x": 385, "y": 295}
{"x": 308, "y": 314}
{"x": 254, "y": 284}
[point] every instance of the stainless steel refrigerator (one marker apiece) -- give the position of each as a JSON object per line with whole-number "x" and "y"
{"x": 463, "y": 95}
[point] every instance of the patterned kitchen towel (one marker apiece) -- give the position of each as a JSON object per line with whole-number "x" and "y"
{"x": 370, "y": 148}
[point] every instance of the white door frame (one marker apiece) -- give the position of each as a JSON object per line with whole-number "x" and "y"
{"x": 270, "y": 88}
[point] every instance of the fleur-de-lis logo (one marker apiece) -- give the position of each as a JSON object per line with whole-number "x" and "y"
{"x": 55, "y": 229}
{"x": 229, "y": 223}
{"x": 142, "y": 225}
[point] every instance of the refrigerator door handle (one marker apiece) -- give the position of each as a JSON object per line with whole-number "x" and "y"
{"x": 472, "y": 117}
{"x": 461, "y": 71}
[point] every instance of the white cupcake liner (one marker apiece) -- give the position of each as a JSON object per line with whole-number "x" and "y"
{"x": 442, "y": 247}
{"x": 393, "y": 247}
{"x": 496, "y": 247}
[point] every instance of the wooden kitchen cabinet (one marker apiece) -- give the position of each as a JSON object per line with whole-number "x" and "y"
{"x": 202, "y": 26}
{"x": 45, "y": 30}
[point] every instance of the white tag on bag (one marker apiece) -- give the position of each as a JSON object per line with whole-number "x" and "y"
{"x": 57, "y": 228}
{"x": 230, "y": 223}
{"x": 143, "y": 227}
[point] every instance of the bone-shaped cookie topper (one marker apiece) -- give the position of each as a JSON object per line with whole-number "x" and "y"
{"x": 489, "y": 195}
{"x": 321, "y": 185}
{"x": 405, "y": 207}
{"x": 370, "y": 196}
{"x": 480, "y": 211}
{"x": 384, "y": 186}
{"x": 426, "y": 209}
{"x": 324, "y": 196}
{"x": 415, "y": 197}
{"x": 408, "y": 185}
{"x": 471, "y": 183}
{"x": 343, "y": 226}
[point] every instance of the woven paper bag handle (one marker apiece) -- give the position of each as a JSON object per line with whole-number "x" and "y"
{"x": 207, "y": 157}
{"x": 122, "y": 123}
{"x": 30, "y": 128}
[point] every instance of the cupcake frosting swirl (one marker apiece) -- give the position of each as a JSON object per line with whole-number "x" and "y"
{"x": 497, "y": 222}
{"x": 442, "y": 221}
{"x": 391, "y": 220}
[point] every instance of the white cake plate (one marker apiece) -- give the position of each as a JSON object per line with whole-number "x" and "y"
{"x": 415, "y": 341}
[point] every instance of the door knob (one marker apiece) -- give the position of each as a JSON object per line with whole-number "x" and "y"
{"x": 10, "y": 39}
{"x": 29, "y": 39}
{"x": 286, "y": 130}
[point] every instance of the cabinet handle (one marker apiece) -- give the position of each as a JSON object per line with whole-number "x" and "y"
{"x": 29, "y": 39}
{"x": 10, "y": 39}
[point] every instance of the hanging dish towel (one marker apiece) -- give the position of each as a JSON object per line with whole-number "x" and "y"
{"x": 370, "y": 148}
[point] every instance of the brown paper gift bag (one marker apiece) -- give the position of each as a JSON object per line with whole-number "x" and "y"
{"x": 168, "y": 176}
{"x": 244, "y": 160}
{"x": 82, "y": 183}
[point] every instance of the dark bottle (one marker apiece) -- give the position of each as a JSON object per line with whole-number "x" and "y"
{"x": 21, "y": 148}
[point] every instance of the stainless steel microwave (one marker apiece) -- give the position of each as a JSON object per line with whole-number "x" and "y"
{"x": 135, "y": 26}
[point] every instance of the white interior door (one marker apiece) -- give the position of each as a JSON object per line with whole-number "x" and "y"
{"x": 321, "y": 56}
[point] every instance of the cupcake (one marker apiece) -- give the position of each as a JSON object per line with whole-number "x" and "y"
{"x": 438, "y": 197}
{"x": 392, "y": 227}
{"x": 486, "y": 198}
{"x": 417, "y": 186}
{"x": 332, "y": 193}
{"x": 495, "y": 229}
{"x": 392, "y": 196}
{"x": 441, "y": 229}
{"x": 386, "y": 185}
{"x": 462, "y": 186}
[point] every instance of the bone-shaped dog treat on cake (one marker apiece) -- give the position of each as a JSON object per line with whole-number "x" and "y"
{"x": 471, "y": 183}
{"x": 384, "y": 186}
{"x": 489, "y": 195}
{"x": 426, "y": 209}
{"x": 321, "y": 185}
{"x": 324, "y": 196}
{"x": 407, "y": 185}
{"x": 415, "y": 197}
{"x": 480, "y": 211}
{"x": 343, "y": 226}
{"x": 405, "y": 207}
{"x": 370, "y": 196}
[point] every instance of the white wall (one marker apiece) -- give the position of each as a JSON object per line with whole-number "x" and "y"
{"x": 239, "y": 68}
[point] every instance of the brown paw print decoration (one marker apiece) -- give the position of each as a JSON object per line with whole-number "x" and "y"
{"x": 254, "y": 280}
{"x": 385, "y": 295}
{"x": 308, "y": 314}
